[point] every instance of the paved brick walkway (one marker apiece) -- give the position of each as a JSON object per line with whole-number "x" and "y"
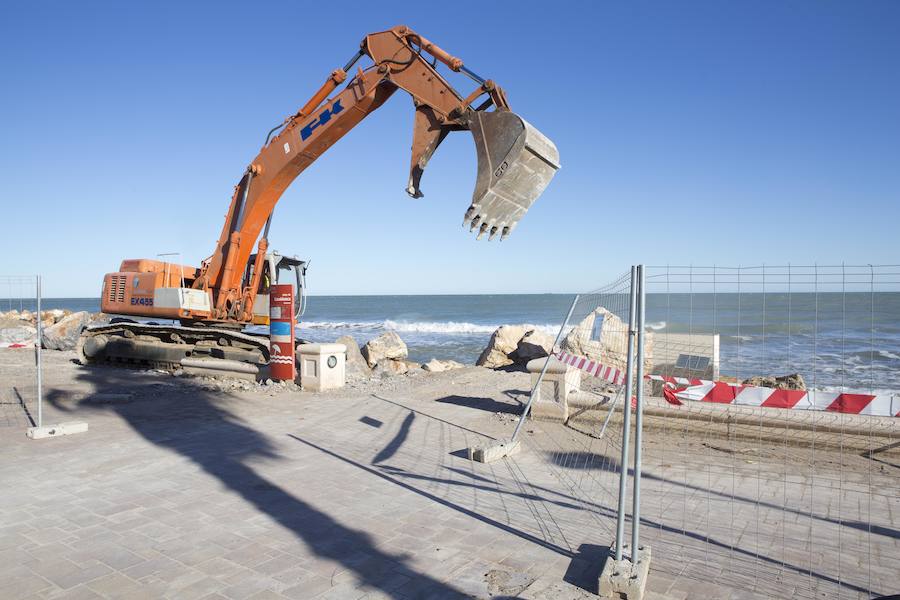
{"x": 179, "y": 491}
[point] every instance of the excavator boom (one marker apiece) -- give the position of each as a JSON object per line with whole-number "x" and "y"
{"x": 515, "y": 161}
{"x": 228, "y": 290}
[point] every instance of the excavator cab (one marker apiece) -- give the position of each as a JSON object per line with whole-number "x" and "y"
{"x": 278, "y": 269}
{"x": 292, "y": 270}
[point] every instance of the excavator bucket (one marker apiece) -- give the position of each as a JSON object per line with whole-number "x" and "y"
{"x": 515, "y": 164}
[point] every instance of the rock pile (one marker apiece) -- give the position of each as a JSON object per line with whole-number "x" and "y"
{"x": 63, "y": 335}
{"x": 436, "y": 366}
{"x": 793, "y": 381}
{"x": 514, "y": 346}
{"x": 60, "y": 328}
{"x": 386, "y": 356}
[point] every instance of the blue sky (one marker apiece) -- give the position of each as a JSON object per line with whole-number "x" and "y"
{"x": 689, "y": 132}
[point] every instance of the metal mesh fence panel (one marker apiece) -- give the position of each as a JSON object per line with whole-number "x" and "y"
{"x": 771, "y": 455}
{"x": 577, "y": 410}
{"x": 19, "y": 347}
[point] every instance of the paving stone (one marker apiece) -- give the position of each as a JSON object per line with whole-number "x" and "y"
{"x": 190, "y": 494}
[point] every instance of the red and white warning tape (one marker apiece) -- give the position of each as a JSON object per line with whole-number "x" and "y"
{"x": 885, "y": 405}
{"x": 18, "y": 345}
{"x": 678, "y": 380}
{"x": 610, "y": 374}
{"x": 722, "y": 392}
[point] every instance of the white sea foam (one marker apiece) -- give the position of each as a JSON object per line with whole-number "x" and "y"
{"x": 438, "y": 327}
{"x": 338, "y": 325}
{"x": 446, "y": 327}
{"x": 887, "y": 354}
{"x": 656, "y": 326}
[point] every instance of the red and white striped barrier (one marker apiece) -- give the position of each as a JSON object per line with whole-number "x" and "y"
{"x": 885, "y": 405}
{"x": 677, "y": 380}
{"x": 610, "y": 374}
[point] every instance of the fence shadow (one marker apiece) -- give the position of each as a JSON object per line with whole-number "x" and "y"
{"x": 480, "y": 403}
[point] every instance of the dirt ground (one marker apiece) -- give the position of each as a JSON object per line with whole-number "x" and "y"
{"x": 192, "y": 488}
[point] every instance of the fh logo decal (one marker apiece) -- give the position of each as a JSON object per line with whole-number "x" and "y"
{"x": 323, "y": 118}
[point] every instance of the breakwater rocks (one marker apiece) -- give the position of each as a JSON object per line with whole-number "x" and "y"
{"x": 59, "y": 328}
{"x": 385, "y": 356}
{"x": 513, "y": 346}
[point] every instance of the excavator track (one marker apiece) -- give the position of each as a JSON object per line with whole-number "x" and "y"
{"x": 167, "y": 346}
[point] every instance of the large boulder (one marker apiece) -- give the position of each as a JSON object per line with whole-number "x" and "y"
{"x": 388, "y": 367}
{"x": 99, "y": 318}
{"x": 436, "y": 366}
{"x": 14, "y": 333}
{"x": 534, "y": 344}
{"x": 387, "y": 346}
{"x": 504, "y": 342}
{"x": 515, "y": 345}
{"x": 64, "y": 334}
{"x": 603, "y": 336}
{"x": 793, "y": 381}
{"x": 355, "y": 364}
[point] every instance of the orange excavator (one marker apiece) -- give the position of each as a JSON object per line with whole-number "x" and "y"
{"x": 213, "y": 303}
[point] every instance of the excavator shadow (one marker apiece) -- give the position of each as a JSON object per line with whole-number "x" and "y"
{"x": 196, "y": 424}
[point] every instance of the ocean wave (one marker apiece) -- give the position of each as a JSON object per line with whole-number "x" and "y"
{"x": 656, "y": 326}
{"x": 438, "y": 327}
{"x": 446, "y": 327}
{"x": 338, "y": 325}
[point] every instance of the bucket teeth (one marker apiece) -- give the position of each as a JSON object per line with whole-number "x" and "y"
{"x": 469, "y": 214}
{"x": 481, "y": 231}
{"x": 493, "y": 233}
{"x": 475, "y": 222}
{"x": 515, "y": 164}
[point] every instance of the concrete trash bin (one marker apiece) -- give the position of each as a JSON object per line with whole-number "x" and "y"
{"x": 322, "y": 366}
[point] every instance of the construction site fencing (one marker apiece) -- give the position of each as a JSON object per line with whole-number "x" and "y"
{"x": 20, "y": 352}
{"x": 770, "y": 457}
{"x": 579, "y": 402}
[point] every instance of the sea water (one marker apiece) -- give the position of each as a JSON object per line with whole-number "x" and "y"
{"x": 849, "y": 341}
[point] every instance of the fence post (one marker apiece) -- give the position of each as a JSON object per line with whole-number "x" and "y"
{"x": 621, "y": 577}
{"x": 626, "y": 418}
{"x": 37, "y": 347}
{"x": 638, "y": 416}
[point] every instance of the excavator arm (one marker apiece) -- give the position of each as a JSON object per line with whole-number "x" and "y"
{"x": 515, "y": 161}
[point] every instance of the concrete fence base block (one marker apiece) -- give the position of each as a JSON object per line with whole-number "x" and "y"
{"x": 625, "y": 579}
{"x": 486, "y": 454}
{"x": 68, "y": 428}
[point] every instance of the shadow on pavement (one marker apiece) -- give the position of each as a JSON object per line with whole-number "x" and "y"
{"x": 485, "y": 404}
{"x": 586, "y": 566}
{"x": 171, "y": 420}
{"x": 397, "y": 441}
